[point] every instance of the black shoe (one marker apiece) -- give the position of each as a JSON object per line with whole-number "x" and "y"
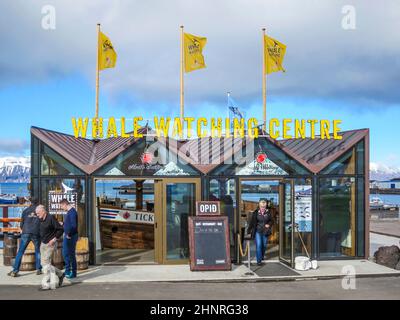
{"x": 61, "y": 279}
{"x": 13, "y": 274}
{"x": 259, "y": 263}
{"x": 39, "y": 272}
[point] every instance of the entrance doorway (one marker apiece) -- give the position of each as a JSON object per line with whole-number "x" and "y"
{"x": 251, "y": 191}
{"x": 291, "y": 208}
{"x": 144, "y": 221}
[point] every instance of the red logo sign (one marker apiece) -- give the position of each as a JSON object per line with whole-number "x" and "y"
{"x": 126, "y": 215}
{"x": 146, "y": 157}
{"x": 261, "y": 157}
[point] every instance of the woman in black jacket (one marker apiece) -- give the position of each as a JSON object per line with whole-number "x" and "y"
{"x": 260, "y": 228}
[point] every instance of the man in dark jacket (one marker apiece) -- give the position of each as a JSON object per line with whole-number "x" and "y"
{"x": 50, "y": 231}
{"x": 30, "y": 226}
{"x": 260, "y": 228}
{"x": 70, "y": 238}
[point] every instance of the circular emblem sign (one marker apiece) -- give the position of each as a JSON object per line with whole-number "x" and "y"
{"x": 147, "y": 157}
{"x": 261, "y": 157}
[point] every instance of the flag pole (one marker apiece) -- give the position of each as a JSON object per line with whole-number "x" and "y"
{"x": 264, "y": 84}
{"x": 97, "y": 71}
{"x": 182, "y": 66}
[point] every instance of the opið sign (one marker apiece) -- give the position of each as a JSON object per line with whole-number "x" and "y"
{"x": 208, "y": 208}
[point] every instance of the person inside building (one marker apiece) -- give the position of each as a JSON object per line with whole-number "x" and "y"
{"x": 260, "y": 229}
{"x": 50, "y": 231}
{"x": 70, "y": 238}
{"x": 30, "y": 226}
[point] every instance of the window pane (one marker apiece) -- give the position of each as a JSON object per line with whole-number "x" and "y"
{"x": 35, "y": 156}
{"x": 53, "y": 164}
{"x": 360, "y": 217}
{"x": 344, "y": 165}
{"x": 337, "y": 216}
{"x": 224, "y": 190}
{"x": 65, "y": 186}
{"x": 264, "y": 159}
{"x": 360, "y": 157}
{"x": 146, "y": 158}
{"x": 303, "y": 217}
{"x": 34, "y": 187}
{"x": 125, "y": 221}
{"x": 180, "y": 205}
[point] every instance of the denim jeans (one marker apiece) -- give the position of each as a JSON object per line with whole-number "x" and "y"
{"x": 261, "y": 246}
{"x": 25, "y": 239}
{"x": 69, "y": 248}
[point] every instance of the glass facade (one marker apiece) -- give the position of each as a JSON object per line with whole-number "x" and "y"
{"x": 180, "y": 203}
{"x": 52, "y": 164}
{"x": 344, "y": 165}
{"x": 224, "y": 190}
{"x": 360, "y": 157}
{"x": 66, "y": 185}
{"x": 261, "y": 158}
{"x": 334, "y": 205}
{"x": 337, "y": 216}
{"x": 146, "y": 158}
{"x": 303, "y": 216}
{"x": 53, "y": 173}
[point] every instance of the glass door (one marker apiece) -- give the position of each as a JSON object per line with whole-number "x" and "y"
{"x": 179, "y": 202}
{"x": 286, "y": 252}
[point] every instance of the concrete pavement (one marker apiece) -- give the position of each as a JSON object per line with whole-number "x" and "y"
{"x": 365, "y": 288}
{"x": 182, "y": 273}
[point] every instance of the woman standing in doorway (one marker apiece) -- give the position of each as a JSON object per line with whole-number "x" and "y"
{"x": 260, "y": 228}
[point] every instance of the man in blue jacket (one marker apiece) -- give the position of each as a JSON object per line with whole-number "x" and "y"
{"x": 70, "y": 238}
{"x": 30, "y": 226}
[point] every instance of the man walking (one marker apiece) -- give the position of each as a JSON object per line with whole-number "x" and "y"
{"x": 30, "y": 226}
{"x": 70, "y": 238}
{"x": 50, "y": 231}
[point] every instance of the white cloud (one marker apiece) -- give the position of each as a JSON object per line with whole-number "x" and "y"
{"x": 13, "y": 146}
{"x": 323, "y": 60}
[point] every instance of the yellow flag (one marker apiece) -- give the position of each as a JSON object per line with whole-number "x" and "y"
{"x": 274, "y": 54}
{"x": 193, "y": 49}
{"x": 107, "y": 54}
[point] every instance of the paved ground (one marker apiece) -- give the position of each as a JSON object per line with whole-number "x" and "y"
{"x": 386, "y": 227}
{"x": 366, "y": 288}
{"x": 182, "y": 273}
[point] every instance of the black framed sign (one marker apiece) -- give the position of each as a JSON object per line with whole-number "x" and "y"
{"x": 209, "y": 243}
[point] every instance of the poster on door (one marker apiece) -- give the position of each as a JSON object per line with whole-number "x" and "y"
{"x": 303, "y": 207}
{"x": 55, "y": 198}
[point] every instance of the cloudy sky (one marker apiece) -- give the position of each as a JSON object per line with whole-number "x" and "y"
{"x": 48, "y": 76}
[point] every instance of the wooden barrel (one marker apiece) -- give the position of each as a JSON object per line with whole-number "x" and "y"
{"x": 82, "y": 253}
{"x": 58, "y": 260}
{"x": 9, "y": 248}
{"x": 82, "y": 260}
{"x": 28, "y": 262}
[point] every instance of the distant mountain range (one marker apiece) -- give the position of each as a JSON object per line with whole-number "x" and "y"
{"x": 382, "y": 172}
{"x": 17, "y": 169}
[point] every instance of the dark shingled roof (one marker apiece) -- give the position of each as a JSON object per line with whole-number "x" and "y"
{"x": 89, "y": 155}
{"x": 316, "y": 154}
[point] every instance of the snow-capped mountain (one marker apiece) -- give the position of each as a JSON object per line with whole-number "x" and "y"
{"x": 15, "y": 169}
{"x": 382, "y": 172}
